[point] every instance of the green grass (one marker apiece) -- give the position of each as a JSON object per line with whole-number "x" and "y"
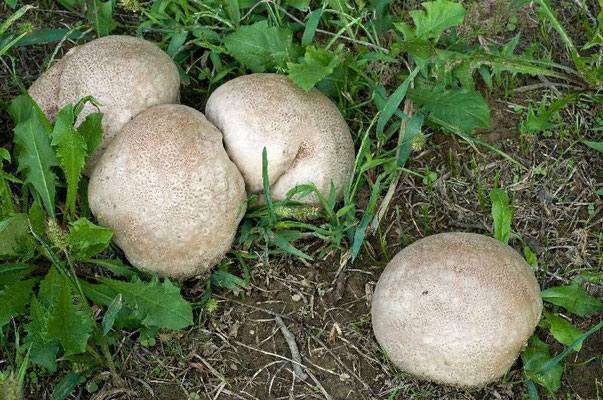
{"x": 415, "y": 91}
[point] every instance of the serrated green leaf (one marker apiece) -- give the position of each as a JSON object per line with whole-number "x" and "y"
{"x": 438, "y": 16}
{"x": 563, "y": 330}
{"x": 12, "y": 273}
{"x": 15, "y": 238}
{"x": 280, "y": 241}
{"x": 34, "y": 152}
{"x": 42, "y": 349}
{"x": 459, "y": 109}
{"x": 101, "y": 15}
{"x": 91, "y": 129}
{"x": 67, "y": 323}
{"x": 259, "y": 47}
{"x": 87, "y": 239}
{"x": 534, "y": 357}
{"x": 159, "y": 304}
{"x": 71, "y": 151}
{"x": 317, "y": 64}
{"x": 573, "y": 298}
{"x": 103, "y": 295}
{"x": 49, "y": 287}
{"x": 13, "y": 300}
{"x": 502, "y": 214}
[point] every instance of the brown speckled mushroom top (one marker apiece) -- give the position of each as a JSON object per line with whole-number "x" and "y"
{"x": 167, "y": 188}
{"x": 456, "y": 308}
{"x": 125, "y": 74}
{"x": 306, "y": 138}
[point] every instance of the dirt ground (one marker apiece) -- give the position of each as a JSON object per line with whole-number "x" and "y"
{"x": 239, "y": 352}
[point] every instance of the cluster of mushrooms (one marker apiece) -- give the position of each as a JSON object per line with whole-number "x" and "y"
{"x": 172, "y": 184}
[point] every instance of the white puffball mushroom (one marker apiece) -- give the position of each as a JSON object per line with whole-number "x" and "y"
{"x": 456, "y": 308}
{"x": 125, "y": 74}
{"x": 167, "y": 188}
{"x": 306, "y": 138}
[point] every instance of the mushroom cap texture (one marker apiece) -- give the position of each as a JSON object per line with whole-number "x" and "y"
{"x": 306, "y": 138}
{"x": 456, "y": 308}
{"x": 167, "y": 188}
{"x": 125, "y": 74}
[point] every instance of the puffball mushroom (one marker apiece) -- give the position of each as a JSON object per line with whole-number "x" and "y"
{"x": 306, "y": 138}
{"x": 125, "y": 74}
{"x": 456, "y": 308}
{"x": 167, "y": 188}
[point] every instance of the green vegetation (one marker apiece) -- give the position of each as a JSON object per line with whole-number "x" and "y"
{"x": 405, "y": 79}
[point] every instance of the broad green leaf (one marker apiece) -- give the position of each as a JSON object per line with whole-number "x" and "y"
{"x": 111, "y": 314}
{"x": 101, "y": 15}
{"x": 459, "y": 109}
{"x": 393, "y": 102}
{"x": 66, "y": 384}
{"x": 37, "y": 219}
{"x": 87, "y": 239}
{"x": 103, "y": 295}
{"x": 15, "y": 239}
{"x": 563, "y": 330}
{"x": 13, "y": 273}
{"x": 502, "y": 214}
{"x": 573, "y": 298}
{"x": 42, "y": 349}
{"x": 437, "y": 17}
{"x": 34, "y": 153}
{"x": 71, "y": 151}
{"x": 11, "y": 3}
{"x": 13, "y": 300}
{"x": 67, "y": 323}
{"x": 260, "y": 47}
{"x": 91, "y": 129}
{"x": 159, "y": 304}
{"x": 534, "y": 357}
{"x": 7, "y": 204}
{"x": 50, "y": 287}
{"x": 317, "y": 64}
{"x": 310, "y": 27}
{"x": 594, "y": 145}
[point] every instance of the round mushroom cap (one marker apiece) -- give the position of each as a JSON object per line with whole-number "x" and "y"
{"x": 167, "y": 188}
{"x": 306, "y": 138}
{"x": 125, "y": 74}
{"x": 456, "y": 308}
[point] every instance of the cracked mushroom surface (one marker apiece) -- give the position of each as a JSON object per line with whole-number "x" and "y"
{"x": 167, "y": 188}
{"x": 306, "y": 138}
{"x": 125, "y": 74}
{"x": 456, "y": 308}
